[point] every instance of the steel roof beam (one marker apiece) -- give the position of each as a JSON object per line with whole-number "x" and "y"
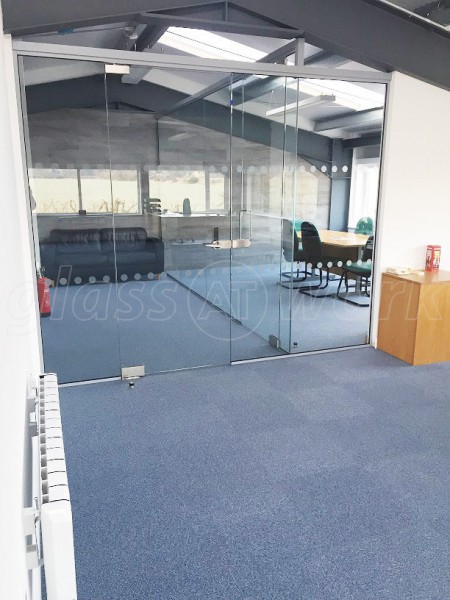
{"x": 367, "y": 32}
{"x": 360, "y": 142}
{"x": 436, "y": 11}
{"x": 29, "y": 17}
{"x": 220, "y": 26}
{"x": 273, "y": 57}
{"x": 372, "y": 116}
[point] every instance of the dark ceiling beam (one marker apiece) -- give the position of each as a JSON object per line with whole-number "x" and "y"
{"x": 212, "y": 10}
{"x": 82, "y": 92}
{"x": 28, "y": 17}
{"x": 366, "y": 32}
{"x": 220, "y": 26}
{"x": 372, "y": 116}
{"x": 398, "y": 10}
{"x": 325, "y": 59}
{"x": 150, "y": 36}
{"x": 365, "y": 140}
{"x": 225, "y": 11}
{"x": 89, "y": 92}
{"x": 439, "y": 12}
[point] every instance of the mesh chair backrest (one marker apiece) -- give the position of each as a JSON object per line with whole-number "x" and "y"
{"x": 368, "y": 249}
{"x": 289, "y": 240}
{"x": 364, "y": 226}
{"x": 312, "y": 245}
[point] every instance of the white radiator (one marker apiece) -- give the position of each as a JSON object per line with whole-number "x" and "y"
{"x": 55, "y": 506}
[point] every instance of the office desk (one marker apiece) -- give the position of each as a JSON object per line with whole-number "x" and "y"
{"x": 414, "y": 320}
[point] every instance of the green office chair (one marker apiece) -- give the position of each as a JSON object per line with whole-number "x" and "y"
{"x": 292, "y": 252}
{"x": 364, "y": 226}
{"x": 362, "y": 270}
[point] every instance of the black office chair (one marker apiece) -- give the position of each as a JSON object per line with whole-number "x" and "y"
{"x": 292, "y": 252}
{"x": 314, "y": 256}
{"x": 360, "y": 269}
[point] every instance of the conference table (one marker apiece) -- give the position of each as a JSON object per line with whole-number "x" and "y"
{"x": 342, "y": 245}
{"x": 343, "y": 239}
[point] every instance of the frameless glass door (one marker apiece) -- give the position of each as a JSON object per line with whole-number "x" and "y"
{"x": 262, "y": 154}
{"x": 335, "y": 211}
{"x": 170, "y": 193}
{"x": 66, "y": 137}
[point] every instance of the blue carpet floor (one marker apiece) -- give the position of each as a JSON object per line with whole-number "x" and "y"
{"x": 302, "y": 323}
{"x": 320, "y": 477}
{"x": 96, "y": 329}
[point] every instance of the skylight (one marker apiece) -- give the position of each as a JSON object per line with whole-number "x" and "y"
{"x": 209, "y": 45}
{"x": 347, "y": 94}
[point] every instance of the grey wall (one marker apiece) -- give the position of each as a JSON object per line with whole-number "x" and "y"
{"x": 79, "y": 137}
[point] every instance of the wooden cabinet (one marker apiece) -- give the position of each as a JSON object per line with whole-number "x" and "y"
{"x": 414, "y": 320}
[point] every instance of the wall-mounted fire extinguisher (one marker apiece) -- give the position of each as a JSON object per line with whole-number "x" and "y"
{"x": 43, "y": 295}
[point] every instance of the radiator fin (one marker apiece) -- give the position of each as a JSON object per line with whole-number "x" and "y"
{"x": 56, "y": 510}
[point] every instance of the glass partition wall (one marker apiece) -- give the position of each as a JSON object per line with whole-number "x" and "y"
{"x": 181, "y": 229}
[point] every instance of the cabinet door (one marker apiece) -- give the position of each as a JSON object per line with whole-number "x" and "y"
{"x": 398, "y": 317}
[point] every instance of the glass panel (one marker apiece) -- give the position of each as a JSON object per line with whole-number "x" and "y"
{"x": 68, "y": 170}
{"x": 335, "y": 212}
{"x": 292, "y": 271}
{"x": 178, "y": 231}
{"x": 173, "y": 289}
{"x": 259, "y": 203}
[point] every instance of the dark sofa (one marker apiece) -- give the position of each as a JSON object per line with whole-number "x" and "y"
{"x": 85, "y": 253}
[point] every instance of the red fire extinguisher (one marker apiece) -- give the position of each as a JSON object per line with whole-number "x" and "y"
{"x": 43, "y": 296}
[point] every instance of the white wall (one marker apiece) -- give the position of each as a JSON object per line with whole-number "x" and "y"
{"x": 19, "y": 340}
{"x": 415, "y": 183}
